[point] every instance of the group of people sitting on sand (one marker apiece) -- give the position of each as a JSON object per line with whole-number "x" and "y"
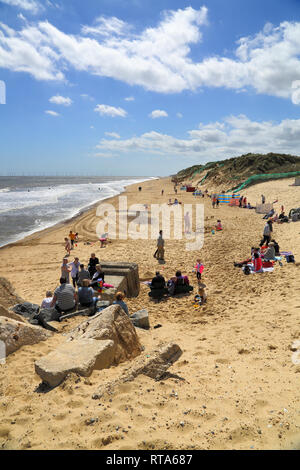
{"x": 176, "y": 284}
{"x": 78, "y": 271}
{"x": 244, "y": 204}
{"x": 89, "y": 283}
{"x": 65, "y": 298}
{"x": 280, "y": 219}
{"x": 262, "y": 257}
{"x": 175, "y": 203}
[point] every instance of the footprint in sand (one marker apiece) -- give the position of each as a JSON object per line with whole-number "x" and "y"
{"x": 223, "y": 361}
{"x": 74, "y": 404}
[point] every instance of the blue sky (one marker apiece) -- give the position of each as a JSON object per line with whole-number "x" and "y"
{"x": 145, "y": 87}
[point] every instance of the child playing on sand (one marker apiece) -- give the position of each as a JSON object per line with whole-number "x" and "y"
{"x": 72, "y": 237}
{"x": 199, "y": 269}
{"x": 67, "y": 246}
{"x": 201, "y": 292}
{"x": 46, "y": 303}
{"x": 219, "y": 225}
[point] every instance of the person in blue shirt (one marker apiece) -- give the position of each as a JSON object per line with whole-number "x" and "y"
{"x": 86, "y": 294}
{"x": 119, "y": 301}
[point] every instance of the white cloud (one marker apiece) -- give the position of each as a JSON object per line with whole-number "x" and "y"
{"x": 158, "y": 58}
{"x": 61, "y": 100}
{"x": 114, "y": 135}
{"x": 129, "y": 98}
{"x": 158, "y": 113}
{"x": 105, "y": 110}
{"x": 52, "y": 113}
{"x": 29, "y": 5}
{"x": 105, "y": 26}
{"x": 236, "y": 135}
{"x": 179, "y": 115}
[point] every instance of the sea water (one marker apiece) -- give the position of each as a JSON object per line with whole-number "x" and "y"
{"x": 29, "y": 204}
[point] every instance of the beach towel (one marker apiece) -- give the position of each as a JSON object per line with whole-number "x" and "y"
{"x": 264, "y": 270}
{"x": 267, "y": 264}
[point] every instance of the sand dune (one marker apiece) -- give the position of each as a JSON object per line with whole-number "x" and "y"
{"x": 234, "y": 387}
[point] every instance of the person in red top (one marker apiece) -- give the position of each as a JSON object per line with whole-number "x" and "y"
{"x": 257, "y": 263}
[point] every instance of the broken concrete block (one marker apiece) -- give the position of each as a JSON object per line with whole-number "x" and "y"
{"x": 81, "y": 356}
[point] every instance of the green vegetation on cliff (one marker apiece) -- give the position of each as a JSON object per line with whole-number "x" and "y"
{"x": 233, "y": 172}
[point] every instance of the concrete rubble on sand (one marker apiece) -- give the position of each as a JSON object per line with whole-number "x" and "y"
{"x": 4, "y": 312}
{"x": 123, "y": 276}
{"x": 15, "y": 334}
{"x": 114, "y": 340}
{"x": 140, "y": 319}
{"x": 153, "y": 365}
{"x": 81, "y": 356}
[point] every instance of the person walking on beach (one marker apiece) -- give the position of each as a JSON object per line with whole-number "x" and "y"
{"x": 65, "y": 270}
{"x": 162, "y": 192}
{"x": 67, "y": 246}
{"x": 263, "y": 199}
{"x": 75, "y": 270}
{"x": 187, "y": 223}
{"x": 266, "y": 235}
{"x": 72, "y": 237}
{"x": 160, "y": 252}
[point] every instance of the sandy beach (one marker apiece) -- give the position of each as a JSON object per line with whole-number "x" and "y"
{"x": 236, "y": 385}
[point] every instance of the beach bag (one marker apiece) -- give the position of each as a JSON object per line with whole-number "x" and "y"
{"x": 100, "y": 286}
{"x": 290, "y": 259}
{"x": 247, "y": 270}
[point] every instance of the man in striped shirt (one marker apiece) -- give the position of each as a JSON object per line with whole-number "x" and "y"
{"x": 65, "y": 297}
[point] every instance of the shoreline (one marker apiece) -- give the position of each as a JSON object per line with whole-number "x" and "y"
{"x": 81, "y": 212}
